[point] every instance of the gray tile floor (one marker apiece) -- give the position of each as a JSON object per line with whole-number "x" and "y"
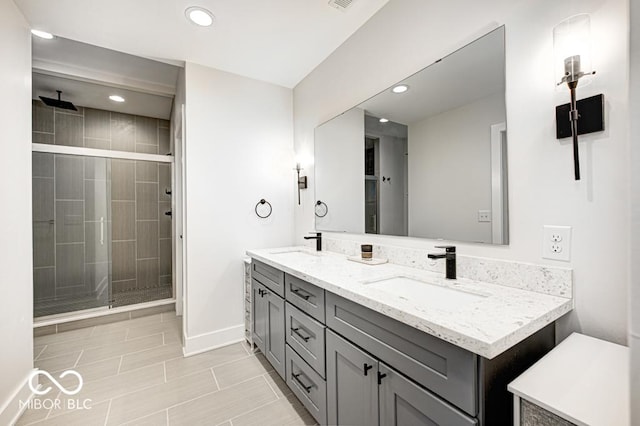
{"x": 134, "y": 373}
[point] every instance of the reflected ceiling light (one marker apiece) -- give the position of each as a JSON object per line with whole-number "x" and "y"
{"x": 42, "y": 34}
{"x": 400, "y": 88}
{"x": 116, "y": 98}
{"x": 199, "y": 16}
{"x": 384, "y": 120}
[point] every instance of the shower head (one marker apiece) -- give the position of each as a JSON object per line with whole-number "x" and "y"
{"x": 58, "y": 103}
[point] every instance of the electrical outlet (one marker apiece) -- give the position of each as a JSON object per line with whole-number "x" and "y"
{"x": 556, "y": 242}
{"x": 556, "y": 237}
{"x": 484, "y": 215}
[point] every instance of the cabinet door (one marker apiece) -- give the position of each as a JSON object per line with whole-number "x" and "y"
{"x": 402, "y": 402}
{"x": 259, "y": 312}
{"x": 352, "y": 384}
{"x": 274, "y": 339}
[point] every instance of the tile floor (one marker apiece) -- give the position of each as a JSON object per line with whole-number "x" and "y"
{"x": 134, "y": 373}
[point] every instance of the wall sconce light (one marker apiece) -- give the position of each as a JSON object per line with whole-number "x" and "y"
{"x": 572, "y": 51}
{"x": 302, "y": 181}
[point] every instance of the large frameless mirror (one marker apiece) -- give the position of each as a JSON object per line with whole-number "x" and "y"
{"x": 425, "y": 158}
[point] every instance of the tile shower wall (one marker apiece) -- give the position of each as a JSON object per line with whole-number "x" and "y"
{"x": 94, "y": 128}
{"x": 70, "y": 197}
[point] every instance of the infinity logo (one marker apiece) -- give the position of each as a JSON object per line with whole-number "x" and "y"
{"x": 46, "y": 390}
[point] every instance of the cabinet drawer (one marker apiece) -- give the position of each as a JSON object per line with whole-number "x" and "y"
{"x": 307, "y": 385}
{"x": 306, "y": 336}
{"x": 268, "y": 276}
{"x": 306, "y": 297}
{"x": 443, "y": 368}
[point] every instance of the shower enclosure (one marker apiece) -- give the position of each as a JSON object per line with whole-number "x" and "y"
{"x": 102, "y": 210}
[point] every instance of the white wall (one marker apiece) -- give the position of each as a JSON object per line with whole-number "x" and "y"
{"x": 341, "y": 180}
{"x": 16, "y": 282}
{"x": 450, "y": 171}
{"x": 634, "y": 293}
{"x": 413, "y": 34}
{"x": 238, "y": 150}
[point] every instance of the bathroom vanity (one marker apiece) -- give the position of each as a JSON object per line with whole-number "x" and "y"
{"x": 391, "y": 344}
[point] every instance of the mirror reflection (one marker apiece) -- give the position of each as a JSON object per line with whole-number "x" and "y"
{"x": 425, "y": 158}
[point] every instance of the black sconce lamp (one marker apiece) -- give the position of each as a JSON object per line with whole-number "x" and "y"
{"x": 572, "y": 47}
{"x": 302, "y": 181}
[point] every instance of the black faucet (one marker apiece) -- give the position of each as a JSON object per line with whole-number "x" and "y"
{"x": 450, "y": 256}
{"x": 318, "y": 238}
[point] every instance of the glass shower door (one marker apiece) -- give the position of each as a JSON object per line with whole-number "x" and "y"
{"x": 71, "y": 233}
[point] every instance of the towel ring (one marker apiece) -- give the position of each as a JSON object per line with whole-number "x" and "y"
{"x": 263, "y": 202}
{"x": 319, "y": 209}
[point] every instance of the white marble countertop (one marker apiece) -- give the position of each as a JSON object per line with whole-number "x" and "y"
{"x": 488, "y": 326}
{"x": 583, "y": 380}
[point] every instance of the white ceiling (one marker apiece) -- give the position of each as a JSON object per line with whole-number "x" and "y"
{"x": 469, "y": 74}
{"x": 279, "y": 41}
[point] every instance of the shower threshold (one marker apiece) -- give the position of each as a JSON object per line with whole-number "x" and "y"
{"x": 103, "y": 311}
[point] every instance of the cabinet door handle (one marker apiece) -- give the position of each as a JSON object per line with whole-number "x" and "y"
{"x": 305, "y": 387}
{"x": 297, "y": 333}
{"x": 260, "y": 292}
{"x": 380, "y": 377}
{"x": 367, "y": 367}
{"x": 301, "y": 293}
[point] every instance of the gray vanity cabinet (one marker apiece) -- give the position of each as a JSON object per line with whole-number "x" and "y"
{"x": 351, "y": 365}
{"x": 352, "y": 384}
{"x": 268, "y": 276}
{"x": 259, "y": 313}
{"x": 361, "y": 390}
{"x": 268, "y": 325}
{"x": 402, "y": 402}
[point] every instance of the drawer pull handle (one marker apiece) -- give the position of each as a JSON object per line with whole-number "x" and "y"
{"x": 367, "y": 368}
{"x": 297, "y": 333}
{"x": 380, "y": 377}
{"x": 305, "y": 387}
{"x": 301, "y": 293}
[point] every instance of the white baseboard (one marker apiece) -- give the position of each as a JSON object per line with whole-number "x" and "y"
{"x": 205, "y": 342}
{"x": 11, "y": 410}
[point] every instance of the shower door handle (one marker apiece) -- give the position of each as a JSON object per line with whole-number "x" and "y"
{"x": 102, "y": 231}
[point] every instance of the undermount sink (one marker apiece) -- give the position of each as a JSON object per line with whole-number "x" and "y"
{"x": 412, "y": 289}
{"x": 297, "y": 251}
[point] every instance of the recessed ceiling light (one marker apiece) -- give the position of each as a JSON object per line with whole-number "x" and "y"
{"x": 199, "y": 16}
{"x": 42, "y": 34}
{"x": 400, "y": 88}
{"x": 384, "y": 120}
{"x": 116, "y": 98}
